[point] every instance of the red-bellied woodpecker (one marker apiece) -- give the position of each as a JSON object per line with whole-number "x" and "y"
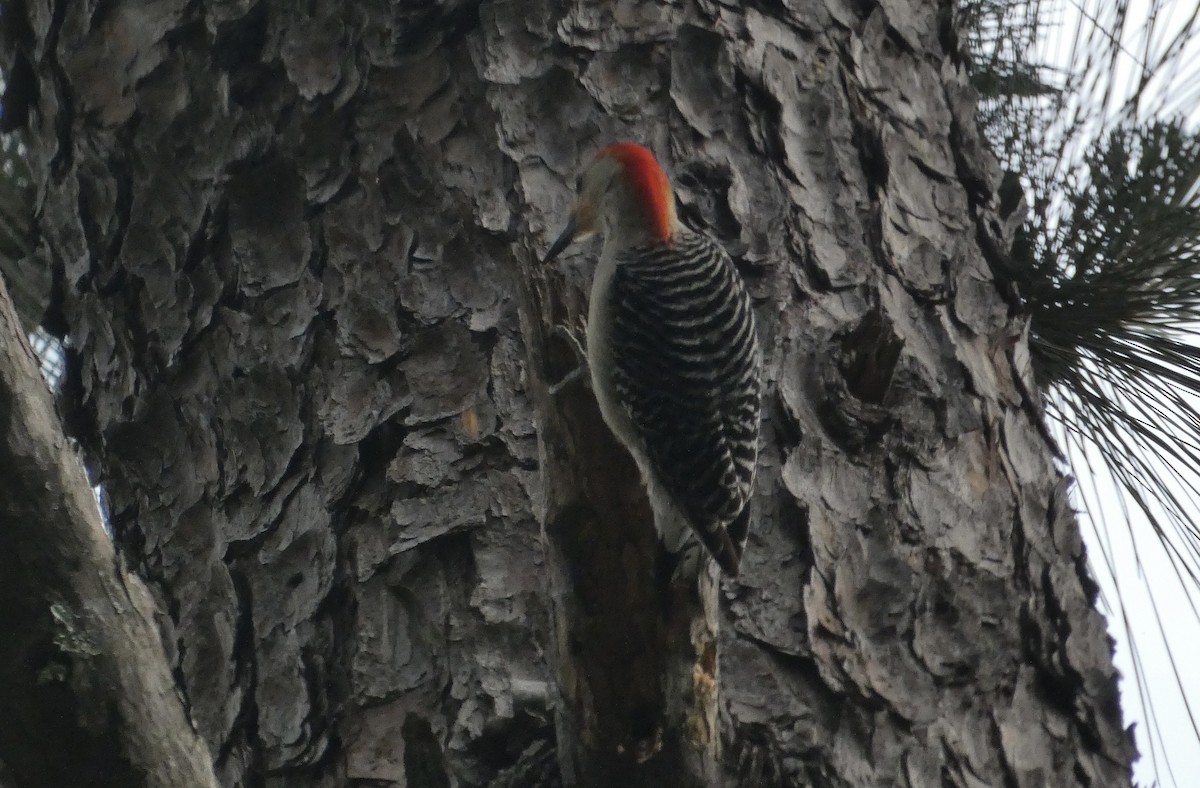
{"x": 672, "y": 350}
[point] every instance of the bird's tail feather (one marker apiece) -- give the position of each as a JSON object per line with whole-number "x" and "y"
{"x": 721, "y": 544}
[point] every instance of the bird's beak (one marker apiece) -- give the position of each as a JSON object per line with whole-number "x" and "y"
{"x": 564, "y": 239}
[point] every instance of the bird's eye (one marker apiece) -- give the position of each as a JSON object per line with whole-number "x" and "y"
{"x": 579, "y": 184}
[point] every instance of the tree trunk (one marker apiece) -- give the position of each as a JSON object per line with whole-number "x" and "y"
{"x": 88, "y": 696}
{"x": 293, "y": 255}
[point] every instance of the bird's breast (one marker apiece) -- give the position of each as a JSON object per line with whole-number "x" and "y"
{"x": 599, "y": 350}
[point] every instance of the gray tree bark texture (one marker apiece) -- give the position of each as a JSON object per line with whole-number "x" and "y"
{"x": 87, "y": 694}
{"x": 293, "y": 250}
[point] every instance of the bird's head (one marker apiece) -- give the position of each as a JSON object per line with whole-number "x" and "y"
{"x": 623, "y": 193}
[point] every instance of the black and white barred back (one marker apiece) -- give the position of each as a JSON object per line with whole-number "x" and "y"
{"x": 687, "y": 367}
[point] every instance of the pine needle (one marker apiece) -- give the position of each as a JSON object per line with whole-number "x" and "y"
{"x": 1109, "y": 266}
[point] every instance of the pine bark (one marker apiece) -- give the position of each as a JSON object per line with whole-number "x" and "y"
{"x": 293, "y": 249}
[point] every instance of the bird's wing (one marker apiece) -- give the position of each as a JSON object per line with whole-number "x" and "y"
{"x": 686, "y": 367}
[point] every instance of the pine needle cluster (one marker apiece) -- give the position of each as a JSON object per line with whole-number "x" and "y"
{"x": 1108, "y": 263}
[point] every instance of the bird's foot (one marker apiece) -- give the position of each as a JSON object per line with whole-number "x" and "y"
{"x": 571, "y": 336}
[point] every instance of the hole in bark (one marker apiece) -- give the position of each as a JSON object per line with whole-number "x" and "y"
{"x": 869, "y": 356}
{"x": 704, "y": 199}
{"x": 380, "y": 446}
{"x": 852, "y": 408}
{"x": 872, "y": 156}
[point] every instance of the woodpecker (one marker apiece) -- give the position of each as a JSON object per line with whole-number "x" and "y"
{"x": 672, "y": 350}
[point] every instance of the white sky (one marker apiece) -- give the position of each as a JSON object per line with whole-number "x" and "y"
{"x": 1133, "y": 569}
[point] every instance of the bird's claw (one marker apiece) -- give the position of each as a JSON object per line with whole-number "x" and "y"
{"x": 571, "y": 337}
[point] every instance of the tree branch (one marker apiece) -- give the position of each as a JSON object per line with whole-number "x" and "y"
{"x": 88, "y": 697}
